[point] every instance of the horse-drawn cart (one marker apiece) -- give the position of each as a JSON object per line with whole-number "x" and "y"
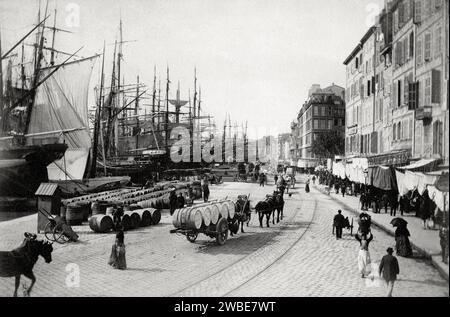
{"x": 218, "y": 231}
{"x": 212, "y": 219}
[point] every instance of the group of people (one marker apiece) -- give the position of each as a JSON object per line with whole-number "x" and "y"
{"x": 388, "y": 268}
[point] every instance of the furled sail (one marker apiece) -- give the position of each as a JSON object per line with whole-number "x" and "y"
{"x": 61, "y": 104}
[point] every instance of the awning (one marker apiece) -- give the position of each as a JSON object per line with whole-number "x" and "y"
{"x": 418, "y": 164}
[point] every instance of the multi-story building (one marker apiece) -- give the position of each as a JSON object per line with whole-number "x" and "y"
{"x": 284, "y": 145}
{"x": 401, "y": 67}
{"x": 428, "y": 93}
{"x": 323, "y": 111}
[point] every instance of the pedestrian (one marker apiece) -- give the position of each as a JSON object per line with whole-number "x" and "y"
{"x": 275, "y": 178}
{"x": 307, "y": 186}
{"x": 385, "y": 201}
{"x": 343, "y": 189}
{"x": 314, "y": 179}
{"x": 117, "y": 218}
{"x": 339, "y": 222}
{"x": 402, "y": 244}
{"x": 362, "y": 200}
{"x": 394, "y": 205}
{"x": 293, "y": 181}
{"x": 389, "y": 270}
{"x": 173, "y": 201}
{"x": 363, "y": 254}
{"x": 117, "y": 258}
{"x": 181, "y": 201}
{"x": 443, "y": 235}
{"x": 205, "y": 188}
{"x": 261, "y": 180}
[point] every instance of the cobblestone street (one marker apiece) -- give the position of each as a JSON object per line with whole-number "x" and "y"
{"x": 297, "y": 257}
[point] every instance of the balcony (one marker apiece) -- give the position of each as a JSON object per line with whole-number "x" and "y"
{"x": 424, "y": 113}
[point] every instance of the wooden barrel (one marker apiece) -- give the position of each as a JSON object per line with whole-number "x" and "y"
{"x": 101, "y": 223}
{"x": 223, "y": 209}
{"x": 99, "y": 207}
{"x": 206, "y": 214}
{"x": 74, "y": 214}
{"x": 176, "y": 218}
{"x": 135, "y": 219}
{"x": 231, "y": 208}
{"x": 214, "y": 213}
{"x": 146, "y": 217}
{"x": 195, "y": 219}
{"x": 155, "y": 215}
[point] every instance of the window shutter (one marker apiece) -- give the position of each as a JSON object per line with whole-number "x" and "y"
{"x": 427, "y": 46}
{"x": 394, "y": 93}
{"x": 427, "y": 92}
{"x": 417, "y": 11}
{"x": 438, "y": 41}
{"x": 419, "y": 52}
{"x": 411, "y": 45}
{"x": 436, "y": 86}
{"x": 373, "y": 85}
{"x": 405, "y": 49}
{"x": 406, "y": 91}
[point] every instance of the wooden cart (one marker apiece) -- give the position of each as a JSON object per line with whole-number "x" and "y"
{"x": 218, "y": 231}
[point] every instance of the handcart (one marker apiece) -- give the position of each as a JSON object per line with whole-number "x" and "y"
{"x": 57, "y": 230}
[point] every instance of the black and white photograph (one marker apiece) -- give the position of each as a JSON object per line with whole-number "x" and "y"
{"x": 224, "y": 155}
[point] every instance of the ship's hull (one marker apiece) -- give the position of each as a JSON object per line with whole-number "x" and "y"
{"x": 22, "y": 169}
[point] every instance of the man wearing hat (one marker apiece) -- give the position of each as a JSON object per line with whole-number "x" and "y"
{"x": 339, "y": 223}
{"x": 173, "y": 200}
{"x": 389, "y": 270}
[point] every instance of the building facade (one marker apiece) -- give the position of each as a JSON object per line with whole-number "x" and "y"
{"x": 323, "y": 111}
{"x": 401, "y": 68}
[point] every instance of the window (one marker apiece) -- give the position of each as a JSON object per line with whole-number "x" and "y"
{"x": 419, "y": 51}
{"x": 316, "y": 124}
{"x": 394, "y": 132}
{"x": 324, "y": 111}
{"x": 399, "y": 131}
{"x": 330, "y": 124}
{"x": 399, "y": 93}
{"x": 413, "y": 97}
{"x": 368, "y": 88}
{"x": 336, "y": 122}
{"x": 316, "y": 110}
{"x": 417, "y": 11}
{"x": 427, "y": 54}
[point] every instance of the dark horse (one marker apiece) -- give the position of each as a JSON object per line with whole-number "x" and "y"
{"x": 278, "y": 206}
{"x": 22, "y": 259}
{"x": 268, "y": 207}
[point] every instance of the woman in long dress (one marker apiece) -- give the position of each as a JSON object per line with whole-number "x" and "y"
{"x": 363, "y": 254}
{"x": 117, "y": 258}
{"x": 402, "y": 243}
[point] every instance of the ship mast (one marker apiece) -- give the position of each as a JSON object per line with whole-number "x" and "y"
{"x": 166, "y": 130}
{"x": 2, "y": 110}
{"x": 98, "y": 118}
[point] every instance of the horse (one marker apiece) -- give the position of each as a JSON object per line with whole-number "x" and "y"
{"x": 278, "y": 206}
{"x": 243, "y": 211}
{"x": 22, "y": 260}
{"x": 265, "y": 207}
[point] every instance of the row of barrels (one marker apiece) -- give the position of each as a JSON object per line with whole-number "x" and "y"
{"x": 101, "y": 196}
{"x": 131, "y": 219}
{"x": 203, "y": 215}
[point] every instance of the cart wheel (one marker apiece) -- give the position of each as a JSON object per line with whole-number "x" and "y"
{"x": 48, "y": 231}
{"x": 58, "y": 234}
{"x": 222, "y": 231}
{"x": 192, "y": 236}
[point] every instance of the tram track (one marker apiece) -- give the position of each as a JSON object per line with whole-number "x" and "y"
{"x": 246, "y": 257}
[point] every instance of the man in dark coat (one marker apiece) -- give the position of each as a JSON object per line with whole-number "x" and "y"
{"x": 339, "y": 223}
{"x": 389, "y": 270}
{"x": 173, "y": 201}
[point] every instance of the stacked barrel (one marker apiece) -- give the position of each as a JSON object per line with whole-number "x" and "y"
{"x": 141, "y": 206}
{"x": 202, "y": 216}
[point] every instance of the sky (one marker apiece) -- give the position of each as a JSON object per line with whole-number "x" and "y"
{"x": 255, "y": 59}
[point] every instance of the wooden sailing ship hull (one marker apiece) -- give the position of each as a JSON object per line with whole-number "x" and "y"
{"x": 22, "y": 169}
